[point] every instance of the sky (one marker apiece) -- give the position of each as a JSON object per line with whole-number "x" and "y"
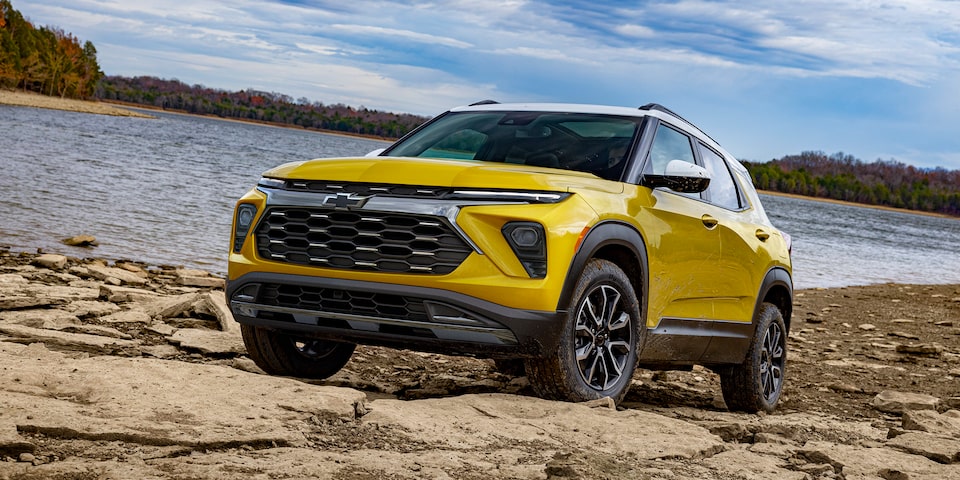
{"x": 878, "y": 80}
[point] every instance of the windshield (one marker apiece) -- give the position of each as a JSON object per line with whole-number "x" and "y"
{"x": 593, "y": 143}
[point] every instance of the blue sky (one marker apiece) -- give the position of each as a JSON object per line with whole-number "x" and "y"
{"x": 873, "y": 79}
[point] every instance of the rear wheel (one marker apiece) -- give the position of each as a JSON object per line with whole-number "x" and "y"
{"x": 279, "y": 353}
{"x": 598, "y": 347}
{"x": 757, "y": 383}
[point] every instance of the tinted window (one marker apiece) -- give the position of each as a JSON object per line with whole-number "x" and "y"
{"x": 722, "y": 190}
{"x": 669, "y": 144}
{"x": 593, "y": 143}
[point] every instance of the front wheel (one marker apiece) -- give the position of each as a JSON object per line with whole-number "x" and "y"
{"x": 602, "y": 332}
{"x": 279, "y": 353}
{"x": 757, "y": 383}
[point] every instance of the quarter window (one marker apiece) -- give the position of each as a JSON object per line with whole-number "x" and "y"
{"x": 722, "y": 190}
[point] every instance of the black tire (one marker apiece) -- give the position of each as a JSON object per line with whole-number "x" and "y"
{"x": 602, "y": 333}
{"x": 757, "y": 384}
{"x": 511, "y": 367}
{"x": 279, "y": 353}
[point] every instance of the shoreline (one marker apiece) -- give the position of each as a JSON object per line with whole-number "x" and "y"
{"x": 35, "y": 100}
{"x": 856, "y": 204}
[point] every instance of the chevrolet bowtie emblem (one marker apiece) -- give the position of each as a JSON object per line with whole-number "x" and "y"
{"x": 344, "y": 201}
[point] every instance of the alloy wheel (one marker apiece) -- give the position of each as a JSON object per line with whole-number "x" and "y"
{"x": 602, "y": 337}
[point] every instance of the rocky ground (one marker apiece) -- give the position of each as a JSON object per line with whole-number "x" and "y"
{"x": 121, "y": 370}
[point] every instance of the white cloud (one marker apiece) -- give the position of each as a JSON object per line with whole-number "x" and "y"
{"x": 404, "y": 34}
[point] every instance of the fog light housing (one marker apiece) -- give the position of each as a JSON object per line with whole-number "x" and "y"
{"x": 529, "y": 243}
{"x": 242, "y": 223}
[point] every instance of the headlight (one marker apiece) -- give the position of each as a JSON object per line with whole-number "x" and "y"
{"x": 242, "y": 223}
{"x": 271, "y": 182}
{"x": 529, "y": 243}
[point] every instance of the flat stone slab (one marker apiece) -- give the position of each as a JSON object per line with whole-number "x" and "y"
{"x": 477, "y": 422}
{"x": 209, "y": 341}
{"x": 66, "y": 339}
{"x": 157, "y": 402}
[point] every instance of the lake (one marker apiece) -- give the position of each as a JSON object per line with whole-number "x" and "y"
{"x": 162, "y": 191}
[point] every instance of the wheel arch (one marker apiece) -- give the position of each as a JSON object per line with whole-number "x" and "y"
{"x": 777, "y": 289}
{"x": 618, "y": 243}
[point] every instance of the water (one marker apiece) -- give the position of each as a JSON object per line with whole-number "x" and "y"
{"x": 162, "y": 191}
{"x": 155, "y": 190}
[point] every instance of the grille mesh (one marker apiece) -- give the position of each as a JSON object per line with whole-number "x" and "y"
{"x": 344, "y": 301}
{"x": 375, "y": 241}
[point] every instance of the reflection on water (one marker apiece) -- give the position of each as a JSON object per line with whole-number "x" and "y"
{"x": 162, "y": 191}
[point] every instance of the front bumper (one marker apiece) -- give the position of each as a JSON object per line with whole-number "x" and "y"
{"x": 398, "y": 316}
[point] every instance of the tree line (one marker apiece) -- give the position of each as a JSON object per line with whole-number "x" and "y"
{"x": 255, "y": 105}
{"x": 843, "y": 177}
{"x": 45, "y": 60}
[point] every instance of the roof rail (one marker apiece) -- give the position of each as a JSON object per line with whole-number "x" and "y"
{"x": 661, "y": 108}
{"x": 484, "y": 102}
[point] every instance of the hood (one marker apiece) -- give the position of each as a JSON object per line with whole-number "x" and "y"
{"x": 441, "y": 173}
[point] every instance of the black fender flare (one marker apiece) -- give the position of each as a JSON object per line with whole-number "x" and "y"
{"x": 605, "y": 234}
{"x": 778, "y": 281}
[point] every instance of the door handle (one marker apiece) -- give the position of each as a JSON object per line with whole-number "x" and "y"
{"x": 762, "y": 235}
{"x": 709, "y": 221}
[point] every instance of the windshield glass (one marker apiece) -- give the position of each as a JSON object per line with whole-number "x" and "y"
{"x": 593, "y": 143}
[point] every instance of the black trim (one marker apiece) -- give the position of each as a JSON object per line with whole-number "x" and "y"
{"x": 602, "y": 235}
{"x": 777, "y": 277}
{"x": 682, "y": 341}
{"x": 536, "y": 332}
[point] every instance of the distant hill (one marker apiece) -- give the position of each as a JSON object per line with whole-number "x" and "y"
{"x": 255, "y": 105}
{"x": 843, "y": 177}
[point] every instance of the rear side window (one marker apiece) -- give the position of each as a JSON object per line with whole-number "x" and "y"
{"x": 722, "y": 190}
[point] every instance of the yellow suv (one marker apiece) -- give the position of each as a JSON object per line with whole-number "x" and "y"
{"x": 578, "y": 241}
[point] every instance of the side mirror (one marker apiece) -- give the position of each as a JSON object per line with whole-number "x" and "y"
{"x": 680, "y": 176}
{"x": 375, "y": 153}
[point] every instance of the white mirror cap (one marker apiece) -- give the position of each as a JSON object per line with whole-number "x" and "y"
{"x": 375, "y": 152}
{"x": 679, "y": 168}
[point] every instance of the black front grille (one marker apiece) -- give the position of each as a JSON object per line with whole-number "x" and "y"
{"x": 375, "y": 241}
{"x": 380, "y": 305}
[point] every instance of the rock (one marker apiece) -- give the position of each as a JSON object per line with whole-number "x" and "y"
{"x": 175, "y": 306}
{"x": 209, "y": 341}
{"x": 890, "y": 401}
{"x": 926, "y": 349}
{"x": 51, "y": 261}
{"x": 128, "y": 316}
{"x": 936, "y": 448}
{"x": 76, "y": 340}
{"x": 867, "y": 327}
{"x": 929, "y": 421}
{"x": 215, "y": 304}
{"x": 21, "y": 302}
{"x": 854, "y": 462}
{"x": 943, "y": 323}
{"x": 91, "y": 308}
{"x": 11, "y": 443}
{"x": 162, "y": 329}
{"x": 40, "y": 318}
{"x": 160, "y": 403}
{"x": 203, "y": 282}
{"x": 127, "y": 294}
{"x": 81, "y": 241}
{"x": 102, "y": 272}
{"x": 480, "y": 419}
{"x": 26, "y": 458}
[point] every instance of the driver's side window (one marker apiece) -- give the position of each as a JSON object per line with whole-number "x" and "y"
{"x": 669, "y": 144}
